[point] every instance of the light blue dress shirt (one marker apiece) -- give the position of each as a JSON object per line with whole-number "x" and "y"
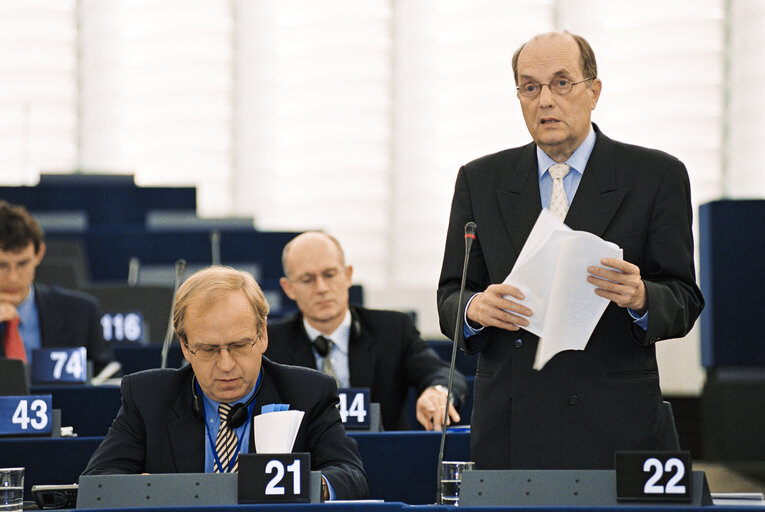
{"x": 29, "y": 326}
{"x": 338, "y": 355}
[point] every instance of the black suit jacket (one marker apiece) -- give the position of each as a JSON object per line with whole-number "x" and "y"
{"x": 69, "y": 318}
{"x": 385, "y": 354}
{"x": 157, "y": 431}
{"x": 582, "y": 405}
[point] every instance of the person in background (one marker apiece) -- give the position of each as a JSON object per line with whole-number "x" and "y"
{"x": 362, "y": 348}
{"x": 35, "y": 315}
{"x": 170, "y": 417}
{"x": 584, "y": 404}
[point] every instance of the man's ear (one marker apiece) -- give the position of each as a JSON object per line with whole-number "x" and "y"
{"x": 40, "y": 253}
{"x": 595, "y": 87}
{"x": 349, "y": 274}
{"x": 286, "y": 285}
{"x": 264, "y": 336}
{"x": 184, "y": 350}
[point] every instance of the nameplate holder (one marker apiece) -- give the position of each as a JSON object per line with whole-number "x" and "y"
{"x": 556, "y": 487}
{"x": 27, "y": 415}
{"x": 656, "y": 476}
{"x": 124, "y": 327}
{"x": 65, "y": 365}
{"x": 354, "y": 408}
{"x": 276, "y": 478}
{"x": 157, "y": 490}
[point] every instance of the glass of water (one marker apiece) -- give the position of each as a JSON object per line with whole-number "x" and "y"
{"x": 451, "y": 478}
{"x": 11, "y": 489}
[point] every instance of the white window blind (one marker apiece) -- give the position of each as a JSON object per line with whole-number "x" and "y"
{"x": 156, "y": 93}
{"x": 38, "y": 89}
{"x": 745, "y": 133}
{"x": 454, "y": 102}
{"x": 314, "y": 121}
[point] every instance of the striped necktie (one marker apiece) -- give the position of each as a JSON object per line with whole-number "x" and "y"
{"x": 13, "y": 344}
{"x": 326, "y": 353}
{"x": 226, "y": 443}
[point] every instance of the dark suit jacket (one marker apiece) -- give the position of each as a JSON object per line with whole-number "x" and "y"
{"x": 582, "y": 405}
{"x": 385, "y": 354}
{"x": 70, "y": 318}
{"x": 157, "y": 431}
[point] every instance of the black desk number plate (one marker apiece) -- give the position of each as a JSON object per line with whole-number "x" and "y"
{"x": 653, "y": 476}
{"x": 274, "y": 478}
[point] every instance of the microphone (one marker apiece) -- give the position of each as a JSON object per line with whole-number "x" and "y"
{"x": 215, "y": 246}
{"x": 134, "y": 268}
{"x": 470, "y": 235}
{"x": 180, "y": 268}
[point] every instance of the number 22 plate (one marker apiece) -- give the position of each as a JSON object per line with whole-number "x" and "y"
{"x": 653, "y": 476}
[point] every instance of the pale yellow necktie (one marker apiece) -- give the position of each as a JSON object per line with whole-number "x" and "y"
{"x": 558, "y": 200}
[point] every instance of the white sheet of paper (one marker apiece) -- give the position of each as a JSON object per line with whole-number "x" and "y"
{"x": 275, "y": 432}
{"x": 551, "y": 271}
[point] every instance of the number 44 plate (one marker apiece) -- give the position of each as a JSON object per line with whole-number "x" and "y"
{"x": 653, "y": 476}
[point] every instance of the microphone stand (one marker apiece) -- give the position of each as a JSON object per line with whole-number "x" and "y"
{"x": 180, "y": 267}
{"x": 470, "y": 230}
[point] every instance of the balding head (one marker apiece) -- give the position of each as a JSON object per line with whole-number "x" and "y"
{"x": 309, "y": 241}
{"x": 317, "y": 279}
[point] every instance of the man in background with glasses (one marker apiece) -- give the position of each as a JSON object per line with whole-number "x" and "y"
{"x": 582, "y": 405}
{"x": 363, "y": 348}
{"x": 199, "y": 418}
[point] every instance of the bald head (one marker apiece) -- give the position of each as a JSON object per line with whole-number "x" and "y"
{"x": 588, "y": 64}
{"x": 310, "y": 241}
{"x": 317, "y": 279}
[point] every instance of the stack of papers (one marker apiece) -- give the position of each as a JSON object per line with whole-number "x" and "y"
{"x": 275, "y": 432}
{"x": 551, "y": 271}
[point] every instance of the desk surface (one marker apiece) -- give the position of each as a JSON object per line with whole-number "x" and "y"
{"x": 401, "y": 466}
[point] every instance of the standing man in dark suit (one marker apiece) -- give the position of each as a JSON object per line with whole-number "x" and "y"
{"x": 365, "y": 348}
{"x": 171, "y": 420}
{"x": 583, "y": 405}
{"x": 40, "y": 316}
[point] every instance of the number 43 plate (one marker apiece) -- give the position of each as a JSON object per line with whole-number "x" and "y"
{"x": 653, "y": 476}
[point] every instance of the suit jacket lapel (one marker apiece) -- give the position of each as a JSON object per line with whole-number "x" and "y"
{"x": 300, "y": 348}
{"x": 186, "y": 434}
{"x": 361, "y": 355}
{"x": 51, "y": 318}
{"x": 518, "y": 197}
{"x": 597, "y": 199}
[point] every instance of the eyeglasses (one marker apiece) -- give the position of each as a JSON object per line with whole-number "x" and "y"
{"x": 560, "y": 86}
{"x": 210, "y": 352}
{"x": 327, "y": 275}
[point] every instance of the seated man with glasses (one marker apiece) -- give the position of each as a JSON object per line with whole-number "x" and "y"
{"x": 362, "y": 348}
{"x": 198, "y": 418}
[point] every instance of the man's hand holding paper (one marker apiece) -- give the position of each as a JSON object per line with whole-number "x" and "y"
{"x": 551, "y": 273}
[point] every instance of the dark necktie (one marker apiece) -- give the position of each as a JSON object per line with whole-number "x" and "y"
{"x": 13, "y": 344}
{"x": 226, "y": 443}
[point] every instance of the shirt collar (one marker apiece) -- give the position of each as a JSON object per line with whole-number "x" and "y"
{"x": 577, "y": 161}
{"x": 339, "y": 337}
